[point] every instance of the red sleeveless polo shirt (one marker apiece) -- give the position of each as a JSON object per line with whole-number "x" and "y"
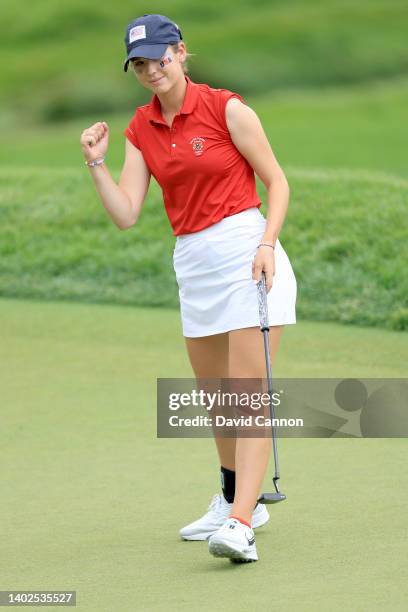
{"x": 203, "y": 176}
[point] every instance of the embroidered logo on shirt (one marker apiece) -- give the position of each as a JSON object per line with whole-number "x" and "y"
{"x": 198, "y": 145}
{"x": 137, "y": 33}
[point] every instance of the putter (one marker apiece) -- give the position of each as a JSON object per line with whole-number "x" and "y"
{"x": 277, "y": 496}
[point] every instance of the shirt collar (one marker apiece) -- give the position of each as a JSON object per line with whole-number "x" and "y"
{"x": 189, "y": 103}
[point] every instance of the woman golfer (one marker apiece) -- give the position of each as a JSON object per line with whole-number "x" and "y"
{"x": 203, "y": 146}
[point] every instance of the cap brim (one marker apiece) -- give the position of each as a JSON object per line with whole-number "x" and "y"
{"x": 153, "y": 52}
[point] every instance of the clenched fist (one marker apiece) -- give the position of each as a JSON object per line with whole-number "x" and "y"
{"x": 94, "y": 140}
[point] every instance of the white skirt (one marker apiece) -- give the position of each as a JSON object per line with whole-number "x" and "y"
{"x": 214, "y": 274}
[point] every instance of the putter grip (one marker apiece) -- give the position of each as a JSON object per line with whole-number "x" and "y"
{"x": 262, "y": 303}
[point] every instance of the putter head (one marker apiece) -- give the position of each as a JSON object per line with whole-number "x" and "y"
{"x": 271, "y": 498}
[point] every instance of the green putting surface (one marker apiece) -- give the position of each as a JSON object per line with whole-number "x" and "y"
{"x": 92, "y": 501}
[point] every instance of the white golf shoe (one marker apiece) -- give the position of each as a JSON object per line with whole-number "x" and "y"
{"x": 218, "y": 512}
{"x": 235, "y": 541}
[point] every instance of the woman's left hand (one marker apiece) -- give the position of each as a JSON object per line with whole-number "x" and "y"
{"x": 264, "y": 260}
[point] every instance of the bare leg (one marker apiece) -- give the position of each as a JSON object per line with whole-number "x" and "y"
{"x": 247, "y": 360}
{"x": 209, "y": 359}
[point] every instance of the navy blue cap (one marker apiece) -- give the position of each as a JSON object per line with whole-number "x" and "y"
{"x": 149, "y": 36}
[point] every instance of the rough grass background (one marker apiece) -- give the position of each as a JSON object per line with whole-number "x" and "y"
{"x": 65, "y": 59}
{"x": 56, "y": 243}
{"x": 330, "y": 85}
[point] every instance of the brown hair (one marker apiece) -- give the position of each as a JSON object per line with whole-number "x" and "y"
{"x": 175, "y": 47}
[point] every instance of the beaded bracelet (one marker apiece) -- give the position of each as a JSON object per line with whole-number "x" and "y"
{"x": 264, "y": 244}
{"x": 95, "y": 162}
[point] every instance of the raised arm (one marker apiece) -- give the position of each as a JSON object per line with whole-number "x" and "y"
{"x": 123, "y": 201}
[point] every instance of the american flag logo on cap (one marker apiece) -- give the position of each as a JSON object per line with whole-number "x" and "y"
{"x": 137, "y": 33}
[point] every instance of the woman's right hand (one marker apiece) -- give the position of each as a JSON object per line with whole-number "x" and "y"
{"x": 94, "y": 141}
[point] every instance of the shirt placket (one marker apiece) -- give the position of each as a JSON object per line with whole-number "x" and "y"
{"x": 173, "y": 132}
